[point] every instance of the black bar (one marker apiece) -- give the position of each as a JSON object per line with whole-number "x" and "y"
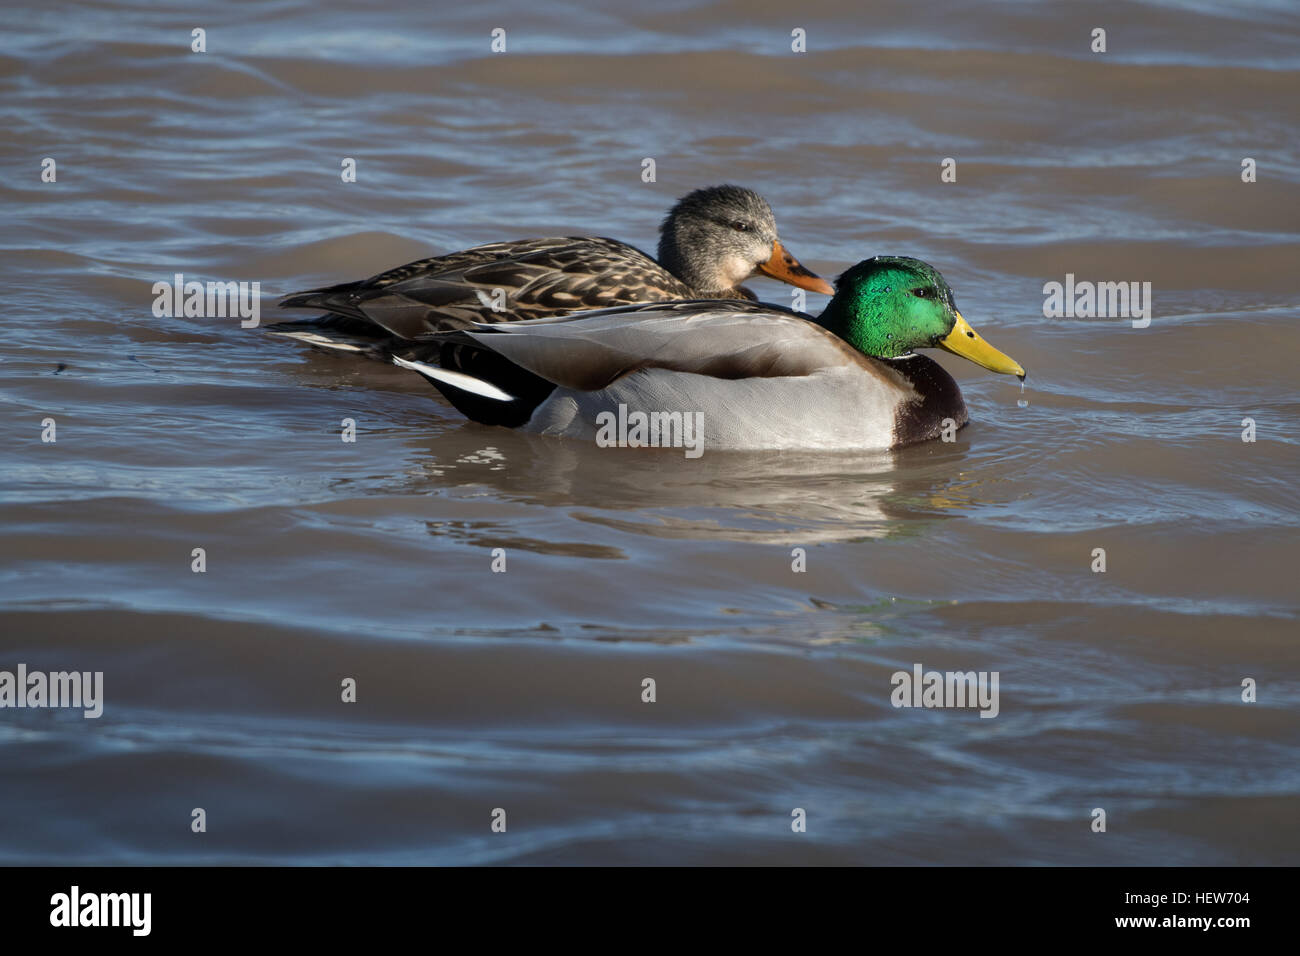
{"x": 326, "y": 905}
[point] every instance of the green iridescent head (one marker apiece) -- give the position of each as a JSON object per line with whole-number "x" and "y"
{"x": 889, "y": 306}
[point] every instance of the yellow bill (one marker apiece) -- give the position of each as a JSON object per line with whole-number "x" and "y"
{"x": 965, "y": 341}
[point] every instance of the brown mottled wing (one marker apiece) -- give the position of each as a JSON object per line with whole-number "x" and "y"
{"x": 536, "y": 278}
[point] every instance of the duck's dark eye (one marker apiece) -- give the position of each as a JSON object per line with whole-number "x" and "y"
{"x": 923, "y": 293}
{"x": 741, "y": 226}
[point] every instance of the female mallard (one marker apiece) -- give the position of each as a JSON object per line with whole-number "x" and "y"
{"x": 712, "y": 241}
{"x": 760, "y": 376}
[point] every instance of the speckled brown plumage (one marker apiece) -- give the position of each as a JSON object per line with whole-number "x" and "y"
{"x": 539, "y": 277}
{"x": 713, "y": 239}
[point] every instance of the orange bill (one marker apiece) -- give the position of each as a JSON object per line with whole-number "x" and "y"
{"x": 787, "y": 268}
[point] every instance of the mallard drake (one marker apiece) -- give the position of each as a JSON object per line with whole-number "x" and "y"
{"x": 711, "y": 241}
{"x": 759, "y": 376}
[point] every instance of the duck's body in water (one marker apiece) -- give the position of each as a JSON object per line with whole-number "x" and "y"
{"x": 757, "y": 376}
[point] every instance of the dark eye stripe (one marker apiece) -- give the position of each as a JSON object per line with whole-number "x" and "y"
{"x": 737, "y": 224}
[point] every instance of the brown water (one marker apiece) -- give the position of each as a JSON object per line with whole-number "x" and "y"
{"x": 478, "y": 690}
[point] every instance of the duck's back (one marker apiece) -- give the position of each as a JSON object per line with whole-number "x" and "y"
{"x": 524, "y": 279}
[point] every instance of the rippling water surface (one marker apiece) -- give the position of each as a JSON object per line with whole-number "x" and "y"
{"x": 479, "y": 690}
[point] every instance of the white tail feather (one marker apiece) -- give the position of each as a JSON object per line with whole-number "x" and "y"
{"x": 312, "y": 338}
{"x": 466, "y": 383}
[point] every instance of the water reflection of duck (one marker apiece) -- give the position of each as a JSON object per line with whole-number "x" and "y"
{"x": 795, "y": 498}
